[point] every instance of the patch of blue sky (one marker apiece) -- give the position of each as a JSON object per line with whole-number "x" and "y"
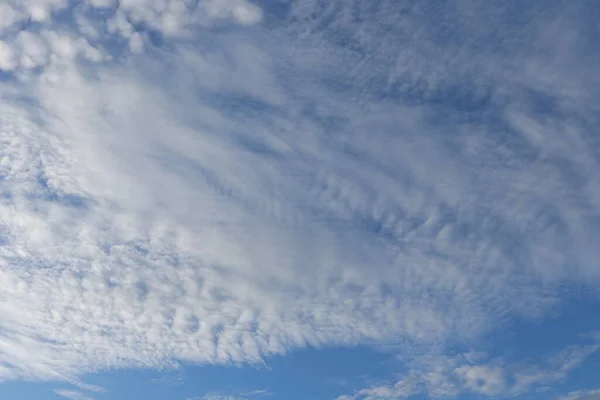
{"x": 305, "y": 374}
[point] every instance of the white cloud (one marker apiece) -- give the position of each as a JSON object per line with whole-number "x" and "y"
{"x": 42, "y": 10}
{"x": 73, "y": 394}
{"x": 555, "y": 369}
{"x": 240, "y": 10}
{"x": 482, "y": 379}
{"x": 63, "y": 46}
{"x": 220, "y": 396}
{"x": 8, "y": 16}
{"x": 405, "y": 387}
{"x": 258, "y": 392}
{"x": 136, "y": 43}
{"x": 171, "y": 18}
{"x": 8, "y": 60}
{"x": 582, "y": 395}
{"x": 448, "y": 377}
{"x": 259, "y": 192}
{"x": 103, "y": 3}
{"x": 34, "y": 51}
{"x": 217, "y": 396}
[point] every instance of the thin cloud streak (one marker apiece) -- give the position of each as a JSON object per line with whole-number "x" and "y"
{"x": 73, "y": 394}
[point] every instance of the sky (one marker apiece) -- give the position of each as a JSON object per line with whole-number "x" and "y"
{"x": 299, "y": 199}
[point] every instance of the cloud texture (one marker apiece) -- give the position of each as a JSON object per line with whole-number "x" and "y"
{"x": 346, "y": 175}
{"x": 476, "y": 374}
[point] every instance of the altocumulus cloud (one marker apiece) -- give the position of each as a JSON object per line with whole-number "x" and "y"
{"x": 194, "y": 181}
{"x": 443, "y": 376}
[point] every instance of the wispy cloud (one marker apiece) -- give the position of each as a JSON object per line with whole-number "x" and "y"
{"x": 174, "y": 188}
{"x": 449, "y": 376}
{"x": 582, "y": 395}
{"x": 258, "y": 392}
{"x": 219, "y": 396}
{"x": 73, "y": 394}
{"x": 170, "y": 379}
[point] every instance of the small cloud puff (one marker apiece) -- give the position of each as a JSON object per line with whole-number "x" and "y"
{"x": 241, "y": 11}
{"x": 29, "y": 50}
{"x": 37, "y": 46}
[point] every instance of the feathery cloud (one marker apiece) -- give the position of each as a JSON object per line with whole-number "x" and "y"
{"x": 448, "y": 376}
{"x": 582, "y": 395}
{"x": 73, "y": 394}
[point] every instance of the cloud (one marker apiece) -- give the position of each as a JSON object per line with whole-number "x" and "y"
{"x": 8, "y": 16}
{"x": 73, "y": 394}
{"x": 582, "y": 395}
{"x": 257, "y": 190}
{"x": 45, "y": 42}
{"x": 258, "y": 392}
{"x": 216, "y": 396}
{"x": 482, "y": 379}
{"x": 556, "y": 369}
{"x": 243, "y": 396}
{"x": 7, "y": 57}
{"x": 443, "y": 376}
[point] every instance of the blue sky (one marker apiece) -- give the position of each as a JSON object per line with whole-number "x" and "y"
{"x": 341, "y": 200}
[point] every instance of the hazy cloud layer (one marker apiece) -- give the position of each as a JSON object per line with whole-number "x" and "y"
{"x": 397, "y": 173}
